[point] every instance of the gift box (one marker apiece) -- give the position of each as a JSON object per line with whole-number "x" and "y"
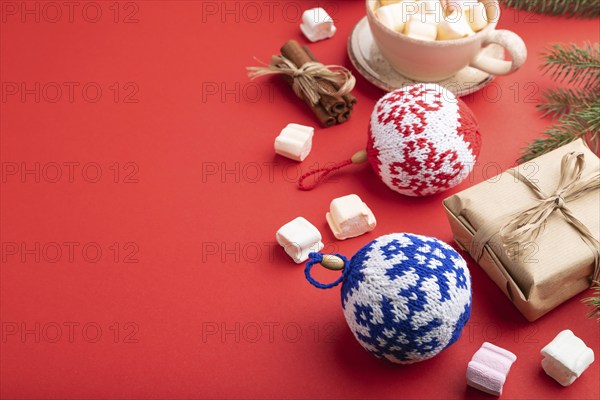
{"x": 534, "y": 228}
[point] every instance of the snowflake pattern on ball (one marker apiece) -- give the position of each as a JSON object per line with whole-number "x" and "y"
{"x": 420, "y": 140}
{"x": 407, "y": 297}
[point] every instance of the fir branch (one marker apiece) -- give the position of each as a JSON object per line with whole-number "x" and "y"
{"x": 577, "y": 109}
{"x": 573, "y": 8}
{"x": 594, "y": 302}
{"x": 560, "y": 101}
{"x": 580, "y": 64}
{"x": 585, "y": 122}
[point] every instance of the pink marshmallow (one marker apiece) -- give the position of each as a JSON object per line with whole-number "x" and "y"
{"x": 489, "y": 367}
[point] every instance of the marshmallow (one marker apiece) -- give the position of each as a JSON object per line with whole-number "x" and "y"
{"x": 461, "y": 5}
{"x": 317, "y": 24}
{"x": 299, "y": 238}
{"x": 349, "y": 216}
{"x": 420, "y": 30}
{"x": 392, "y": 16}
{"x": 489, "y": 367}
{"x": 429, "y": 11}
{"x": 294, "y": 141}
{"x": 454, "y": 26}
{"x": 566, "y": 357}
{"x": 476, "y": 16}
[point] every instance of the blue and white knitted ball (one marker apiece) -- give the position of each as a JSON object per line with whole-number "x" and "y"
{"x": 405, "y": 297}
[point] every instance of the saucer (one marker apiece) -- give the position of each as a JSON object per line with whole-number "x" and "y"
{"x": 369, "y": 62}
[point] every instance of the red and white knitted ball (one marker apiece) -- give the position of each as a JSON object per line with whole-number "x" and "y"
{"x": 422, "y": 139}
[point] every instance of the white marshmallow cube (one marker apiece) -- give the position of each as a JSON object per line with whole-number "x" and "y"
{"x": 349, "y": 217}
{"x": 461, "y": 5}
{"x": 393, "y": 16}
{"x": 566, "y": 357}
{"x": 454, "y": 26}
{"x": 416, "y": 29}
{"x": 429, "y": 11}
{"x": 299, "y": 238}
{"x": 476, "y": 16}
{"x": 294, "y": 141}
{"x": 317, "y": 24}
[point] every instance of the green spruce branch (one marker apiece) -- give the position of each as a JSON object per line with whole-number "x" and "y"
{"x": 583, "y": 123}
{"x": 577, "y": 108}
{"x": 561, "y": 101}
{"x": 579, "y": 65}
{"x": 573, "y": 8}
{"x": 594, "y": 302}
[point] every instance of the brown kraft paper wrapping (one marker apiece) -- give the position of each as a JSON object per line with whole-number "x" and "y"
{"x": 538, "y": 275}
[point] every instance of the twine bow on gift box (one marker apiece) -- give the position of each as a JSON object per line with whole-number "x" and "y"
{"x": 305, "y": 77}
{"x": 525, "y": 226}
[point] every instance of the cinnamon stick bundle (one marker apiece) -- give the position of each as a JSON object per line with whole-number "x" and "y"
{"x": 330, "y": 109}
{"x": 325, "y": 119}
{"x": 349, "y": 99}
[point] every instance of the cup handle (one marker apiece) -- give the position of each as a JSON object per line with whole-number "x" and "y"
{"x": 512, "y": 43}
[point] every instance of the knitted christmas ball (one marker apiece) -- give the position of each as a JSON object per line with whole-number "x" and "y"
{"x": 405, "y": 297}
{"x": 422, "y": 139}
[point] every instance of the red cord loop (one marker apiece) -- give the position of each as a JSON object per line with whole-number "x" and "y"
{"x": 322, "y": 174}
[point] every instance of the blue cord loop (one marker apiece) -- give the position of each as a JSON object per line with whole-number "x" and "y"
{"x": 316, "y": 258}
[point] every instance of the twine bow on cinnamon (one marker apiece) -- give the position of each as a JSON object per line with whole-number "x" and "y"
{"x": 525, "y": 226}
{"x": 305, "y": 77}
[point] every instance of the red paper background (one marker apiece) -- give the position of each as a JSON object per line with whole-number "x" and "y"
{"x": 191, "y": 190}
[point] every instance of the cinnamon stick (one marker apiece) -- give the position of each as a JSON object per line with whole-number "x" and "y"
{"x": 333, "y": 105}
{"x": 344, "y": 115}
{"x": 349, "y": 99}
{"x": 325, "y": 119}
{"x": 300, "y": 55}
{"x": 295, "y": 53}
{"x": 329, "y": 110}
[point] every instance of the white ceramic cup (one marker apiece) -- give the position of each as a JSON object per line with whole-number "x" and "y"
{"x": 436, "y": 60}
